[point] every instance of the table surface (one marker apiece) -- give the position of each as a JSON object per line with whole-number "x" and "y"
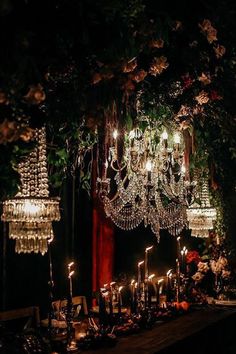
{"x": 166, "y": 334}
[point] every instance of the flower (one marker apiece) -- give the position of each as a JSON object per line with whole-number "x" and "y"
{"x": 219, "y": 51}
{"x": 130, "y": 66}
{"x": 215, "y": 96}
{"x": 158, "y": 65}
{"x": 35, "y": 94}
{"x": 184, "y": 111}
{"x": 226, "y": 274}
{"x": 208, "y": 30}
{"x": 197, "y": 277}
{"x": 187, "y": 81}
{"x": 156, "y": 43}
{"x": 205, "y": 79}
{"x": 203, "y": 267}
{"x": 202, "y": 97}
{"x": 193, "y": 256}
{"x": 97, "y": 77}
{"x": 212, "y": 35}
{"x": 138, "y": 75}
{"x": 26, "y": 134}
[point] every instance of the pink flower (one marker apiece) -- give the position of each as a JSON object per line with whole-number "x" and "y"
{"x": 202, "y": 97}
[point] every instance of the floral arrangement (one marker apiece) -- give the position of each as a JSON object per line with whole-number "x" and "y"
{"x": 211, "y": 274}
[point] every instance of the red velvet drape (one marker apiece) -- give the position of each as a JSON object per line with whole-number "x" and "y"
{"x": 102, "y": 242}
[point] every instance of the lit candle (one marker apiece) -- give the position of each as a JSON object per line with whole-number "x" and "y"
{"x": 150, "y": 287}
{"x": 119, "y": 300}
{"x": 169, "y": 285}
{"x": 139, "y": 280}
{"x": 159, "y": 289}
{"x": 177, "y": 279}
{"x": 70, "y": 273}
{"x": 177, "y": 140}
{"x": 146, "y": 270}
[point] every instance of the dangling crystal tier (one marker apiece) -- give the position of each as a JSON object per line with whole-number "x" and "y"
{"x": 31, "y": 212}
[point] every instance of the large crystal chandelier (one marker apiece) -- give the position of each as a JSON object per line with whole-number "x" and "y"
{"x": 201, "y": 215}
{"x": 31, "y": 212}
{"x": 149, "y": 182}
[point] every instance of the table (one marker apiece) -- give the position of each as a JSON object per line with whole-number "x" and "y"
{"x": 210, "y": 330}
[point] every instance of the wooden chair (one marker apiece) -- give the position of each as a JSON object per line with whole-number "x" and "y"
{"x": 76, "y": 301}
{"x": 29, "y": 313}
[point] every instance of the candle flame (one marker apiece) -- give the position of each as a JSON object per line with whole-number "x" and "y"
{"x": 186, "y": 251}
{"x": 120, "y": 288}
{"x": 71, "y": 264}
{"x": 169, "y": 271}
{"x": 112, "y": 283}
{"x": 148, "y": 248}
{"x": 105, "y": 285}
{"x": 136, "y": 284}
{"x": 140, "y": 263}
{"x": 184, "y": 248}
{"x": 160, "y": 281}
{"x": 132, "y": 281}
{"x": 151, "y": 276}
{"x": 182, "y": 252}
{"x": 178, "y": 238}
{"x": 71, "y": 273}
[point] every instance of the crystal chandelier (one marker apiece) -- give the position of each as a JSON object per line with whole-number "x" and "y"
{"x": 31, "y": 212}
{"x": 201, "y": 215}
{"x": 149, "y": 183}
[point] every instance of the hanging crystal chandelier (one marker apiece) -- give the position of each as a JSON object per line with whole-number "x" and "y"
{"x": 149, "y": 183}
{"x": 201, "y": 215}
{"x": 31, "y": 212}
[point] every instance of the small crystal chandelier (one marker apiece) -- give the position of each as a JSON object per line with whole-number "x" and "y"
{"x": 149, "y": 183}
{"x": 201, "y": 216}
{"x": 31, "y": 212}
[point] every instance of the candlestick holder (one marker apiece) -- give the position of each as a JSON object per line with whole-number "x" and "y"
{"x": 71, "y": 343}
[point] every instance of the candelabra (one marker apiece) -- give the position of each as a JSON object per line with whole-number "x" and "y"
{"x": 31, "y": 212}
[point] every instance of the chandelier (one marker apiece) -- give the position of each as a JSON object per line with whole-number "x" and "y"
{"x": 31, "y": 212}
{"x": 149, "y": 184}
{"x": 201, "y": 215}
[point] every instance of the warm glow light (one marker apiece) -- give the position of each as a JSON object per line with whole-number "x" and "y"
{"x": 30, "y": 208}
{"x": 106, "y": 164}
{"x": 112, "y": 283}
{"x": 140, "y": 263}
{"x": 115, "y": 134}
{"x": 178, "y": 238}
{"x": 160, "y": 281}
{"x": 164, "y": 135}
{"x": 120, "y": 288}
{"x": 169, "y": 271}
{"x": 70, "y": 264}
{"x": 148, "y": 165}
{"x": 132, "y": 281}
{"x": 176, "y": 138}
{"x": 148, "y": 248}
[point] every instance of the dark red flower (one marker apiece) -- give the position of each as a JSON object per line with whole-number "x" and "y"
{"x": 193, "y": 256}
{"x": 214, "y": 96}
{"x": 187, "y": 81}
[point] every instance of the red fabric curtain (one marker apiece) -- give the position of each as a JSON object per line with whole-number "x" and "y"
{"x": 102, "y": 242}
